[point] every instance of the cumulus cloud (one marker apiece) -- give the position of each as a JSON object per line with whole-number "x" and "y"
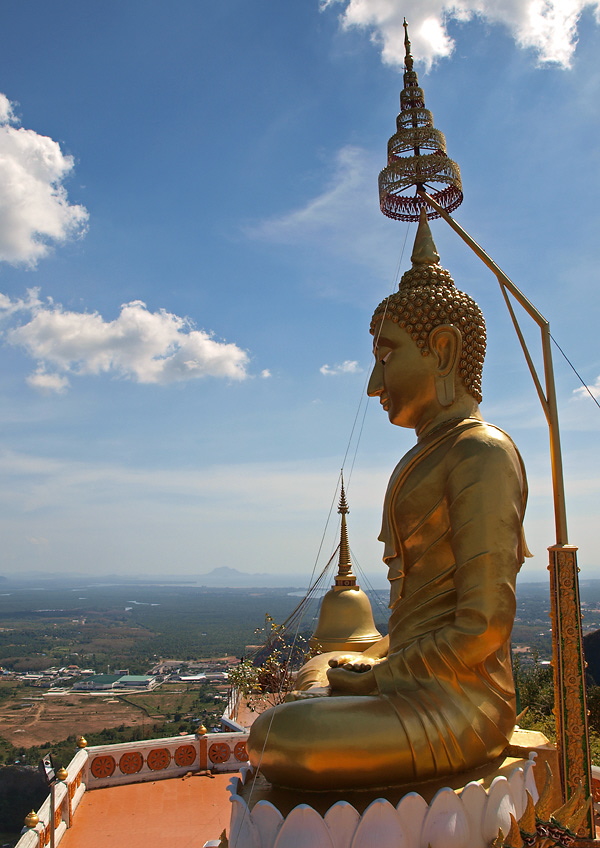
{"x": 34, "y": 206}
{"x": 548, "y": 27}
{"x": 48, "y": 383}
{"x": 348, "y": 366}
{"x": 147, "y": 347}
{"x": 265, "y": 374}
{"x": 585, "y": 392}
{"x": 7, "y": 115}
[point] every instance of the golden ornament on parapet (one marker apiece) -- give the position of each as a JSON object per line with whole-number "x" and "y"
{"x": 31, "y": 819}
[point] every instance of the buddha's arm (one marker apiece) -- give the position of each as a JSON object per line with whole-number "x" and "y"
{"x": 378, "y": 650}
{"x": 485, "y": 494}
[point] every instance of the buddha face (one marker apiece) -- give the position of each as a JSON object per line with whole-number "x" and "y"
{"x": 402, "y": 378}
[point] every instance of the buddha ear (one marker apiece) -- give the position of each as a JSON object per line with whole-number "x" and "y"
{"x": 445, "y": 344}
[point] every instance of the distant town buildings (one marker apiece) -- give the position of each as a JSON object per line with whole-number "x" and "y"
{"x": 103, "y": 682}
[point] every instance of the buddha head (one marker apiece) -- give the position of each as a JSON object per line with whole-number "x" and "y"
{"x": 440, "y": 331}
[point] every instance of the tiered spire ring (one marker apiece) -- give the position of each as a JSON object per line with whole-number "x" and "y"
{"x": 408, "y": 167}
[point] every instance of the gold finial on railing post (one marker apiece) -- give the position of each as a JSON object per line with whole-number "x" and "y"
{"x": 31, "y": 820}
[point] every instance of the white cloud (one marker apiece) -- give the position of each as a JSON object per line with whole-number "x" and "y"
{"x": 344, "y": 219}
{"x": 352, "y": 175}
{"x": 548, "y": 27}
{"x": 144, "y": 346}
{"x": 48, "y": 383}
{"x": 34, "y": 207}
{"x": 593, "y": 390}
{"x": 265, "y": 374}
{"x": 30, "y": 302}
{"x": 349, "y": 366}
{"x": 7, "y": 115}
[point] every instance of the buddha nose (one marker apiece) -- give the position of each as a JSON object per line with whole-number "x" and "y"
{"x": 375, "y": 386}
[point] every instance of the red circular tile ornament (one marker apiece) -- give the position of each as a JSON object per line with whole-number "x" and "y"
{"x": 219, "y": 752}
{"x": 185, "y": 755}
{"x": 131, "y": 762}
{"x": 158, "y": 759}
{"x": 103, "y": 766}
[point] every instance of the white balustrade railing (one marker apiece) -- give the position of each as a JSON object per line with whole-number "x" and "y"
{"x": 67, "y": 796}
{"x": 158, "y": 759}
{"x": 100, "y": 766}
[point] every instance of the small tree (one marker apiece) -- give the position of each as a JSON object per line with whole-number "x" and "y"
{"x": 265, "y": 679}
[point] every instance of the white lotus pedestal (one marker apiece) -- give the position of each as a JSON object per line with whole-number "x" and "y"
{"x": 465, "y": 816}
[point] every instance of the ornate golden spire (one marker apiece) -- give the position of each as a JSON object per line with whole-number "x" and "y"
{"x": 344, "y": 577}
{"x": 408, "y": 167}
{"x": 345, "y": 618}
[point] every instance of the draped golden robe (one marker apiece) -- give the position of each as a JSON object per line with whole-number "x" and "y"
{"x": 452, "y": 530}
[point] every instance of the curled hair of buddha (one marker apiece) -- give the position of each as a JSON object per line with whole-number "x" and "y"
{"x": 428, "y": 298}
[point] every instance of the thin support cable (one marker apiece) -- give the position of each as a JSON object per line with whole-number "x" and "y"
{"x": 363, "y": 393}
{"x": 362, "y": 424}
{"x": 301, "y": 605}
{"x": 332, "y": 504}
{"x": 290, "y": 654}
{"x": 579, "y": 377}
{"x": 374, "y": 593}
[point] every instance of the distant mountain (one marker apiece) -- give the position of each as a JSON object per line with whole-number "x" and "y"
{"x": 222, "y": 577}
{"x": 231, "y": 578}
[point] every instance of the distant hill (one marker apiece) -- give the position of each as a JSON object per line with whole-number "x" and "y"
{"x": 230, "y": 578}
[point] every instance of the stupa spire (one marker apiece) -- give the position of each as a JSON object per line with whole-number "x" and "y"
{"x": 344, "y": 577}
{"x": 345, "y": 618}
{"x": 408, "y": 167}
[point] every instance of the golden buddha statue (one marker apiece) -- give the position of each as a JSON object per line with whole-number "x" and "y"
{"x": 436, "y": 696}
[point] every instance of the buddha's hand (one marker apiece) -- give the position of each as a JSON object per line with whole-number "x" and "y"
{"x": 349, "y": 659}
{"x": 352, "y": 679}
{"x": 353, "y": 662}
{"x": 305, "y": 694}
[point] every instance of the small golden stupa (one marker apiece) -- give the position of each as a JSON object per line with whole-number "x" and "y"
{"x": 345, "y": 618}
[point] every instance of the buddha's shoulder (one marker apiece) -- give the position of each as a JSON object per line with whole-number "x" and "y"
{"x": 481, "y": 438}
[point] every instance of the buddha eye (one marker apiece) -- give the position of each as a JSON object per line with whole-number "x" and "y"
{"x": 385, "y": 358}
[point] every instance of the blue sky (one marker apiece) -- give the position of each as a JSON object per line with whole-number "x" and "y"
{"x": 191, "y": 249}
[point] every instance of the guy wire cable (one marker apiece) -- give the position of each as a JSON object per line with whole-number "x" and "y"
{"x": 301, "y": 607}
{"x": 396, "y": 275}
{"x": 579, "y": 377}
{"x": 362, "y": 400}
{"x": 363, "y": 397}
{"x": 375, "y": 593}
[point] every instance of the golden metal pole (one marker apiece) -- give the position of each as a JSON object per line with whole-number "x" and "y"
{"x": 567, "y": 640}
{"x": 550, "y": 406}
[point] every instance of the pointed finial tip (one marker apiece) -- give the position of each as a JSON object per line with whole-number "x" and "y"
{"x": 343, "y": 506}
{"x": 424, "y": 250}
{"x": 408, "y": 59}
